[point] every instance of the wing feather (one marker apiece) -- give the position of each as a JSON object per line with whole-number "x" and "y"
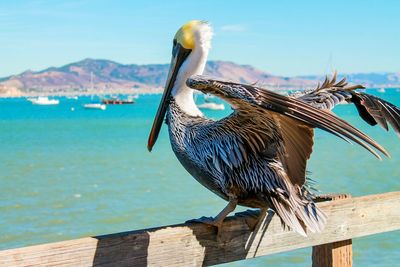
{"x": 298, "y": 139}
{"x": 377, "y": 111}
{"x": 371, "y": 109}
{"x": 249, "y": 98}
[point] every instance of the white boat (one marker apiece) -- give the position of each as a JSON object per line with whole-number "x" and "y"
{"x": 207, "y": 98}
{"x": 95, "y": 106}
{"x": 135, "y": 96}
{"x": 212, "y": 105}
{"x": 72, "y": 97}
{"x": 381, "y": 90}
{"x": 44, "y": 100}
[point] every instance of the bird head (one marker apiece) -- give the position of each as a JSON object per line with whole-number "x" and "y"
{"x": 191, "y": 37}
{"x": 192, "y": 34}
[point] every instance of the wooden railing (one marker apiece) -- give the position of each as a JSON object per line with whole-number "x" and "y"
{"x": 195, "y": 244}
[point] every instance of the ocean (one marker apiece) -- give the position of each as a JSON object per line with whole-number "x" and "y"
{"x": 68, "y": 172}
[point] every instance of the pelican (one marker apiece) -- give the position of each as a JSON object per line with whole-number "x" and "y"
{"x": 256, "y": 157}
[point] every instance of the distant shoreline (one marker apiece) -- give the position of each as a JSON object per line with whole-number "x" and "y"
{"x": 85, "y": 93}
{"x": 136, "y": 92}
{"x": 110, "y": 77}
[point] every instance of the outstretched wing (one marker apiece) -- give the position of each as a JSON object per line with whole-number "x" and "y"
{"x": 370, "y": 108}
{"x": 246, "y": 98}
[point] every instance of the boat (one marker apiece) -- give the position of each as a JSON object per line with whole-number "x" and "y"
{"x": 99, "y": 106}
{"x": 212, "y": 105}
{"x": 207, "y": 98}
{"x": 117, "y": 101}
{"x": 43, "y": 100}
{"x": 135, "y": 96}
{"x": 95, "y": 106}
{"x": 381, "y": 90}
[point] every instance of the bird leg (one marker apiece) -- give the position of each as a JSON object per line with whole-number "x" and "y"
{"x": 218, "y": 220}
{"x": 228, "y": 209}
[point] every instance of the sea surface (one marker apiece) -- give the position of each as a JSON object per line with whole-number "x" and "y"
{"x": 67, "y": 172}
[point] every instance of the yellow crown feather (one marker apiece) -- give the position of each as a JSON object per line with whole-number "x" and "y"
{"x": 185, "y": 35}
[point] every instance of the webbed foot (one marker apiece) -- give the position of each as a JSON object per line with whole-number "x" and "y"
{"x": 219, "y": 219}
{"x": 211, "y": 222}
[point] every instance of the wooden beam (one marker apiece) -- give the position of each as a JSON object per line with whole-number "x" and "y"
{"x": 195, "y": 244}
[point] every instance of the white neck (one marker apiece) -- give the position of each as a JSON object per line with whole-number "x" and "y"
{"x": 182, "y": 94}
{"x": 193, "y": 65}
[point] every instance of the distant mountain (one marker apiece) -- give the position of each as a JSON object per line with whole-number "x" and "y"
{"x": 105, "y": 76}
{"x": 369, "y": 80}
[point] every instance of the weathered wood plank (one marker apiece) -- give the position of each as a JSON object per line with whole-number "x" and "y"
{"x": 196, "y": 244}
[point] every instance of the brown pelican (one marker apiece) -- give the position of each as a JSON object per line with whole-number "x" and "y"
{"x": 256, "y": 157}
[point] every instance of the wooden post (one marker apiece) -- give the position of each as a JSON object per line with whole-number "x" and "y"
{"x": 336, "y": 254}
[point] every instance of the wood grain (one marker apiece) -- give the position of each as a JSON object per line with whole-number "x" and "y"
{"x": 195, "y": 244}
{"x": 335, "y": 254}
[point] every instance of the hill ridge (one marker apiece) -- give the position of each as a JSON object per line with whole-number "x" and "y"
{"x": 111, "y": 77}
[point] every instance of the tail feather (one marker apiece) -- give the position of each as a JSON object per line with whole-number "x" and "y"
{"x": 301, "y": 215}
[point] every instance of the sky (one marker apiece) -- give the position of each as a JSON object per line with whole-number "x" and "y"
{"x": 280, "y": 37}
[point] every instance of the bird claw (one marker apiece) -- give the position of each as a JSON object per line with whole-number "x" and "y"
{"x": 211, "y": 222}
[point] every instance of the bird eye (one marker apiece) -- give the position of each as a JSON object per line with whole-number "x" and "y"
{"x": 174, "y": 42}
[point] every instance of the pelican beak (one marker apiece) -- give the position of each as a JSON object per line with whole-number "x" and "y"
{"x": 179, "y": 55}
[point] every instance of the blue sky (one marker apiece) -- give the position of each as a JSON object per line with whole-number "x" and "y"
{"x": 280, "y": 37}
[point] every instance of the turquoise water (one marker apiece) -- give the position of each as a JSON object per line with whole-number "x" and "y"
{"x": 68, "y": 174}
